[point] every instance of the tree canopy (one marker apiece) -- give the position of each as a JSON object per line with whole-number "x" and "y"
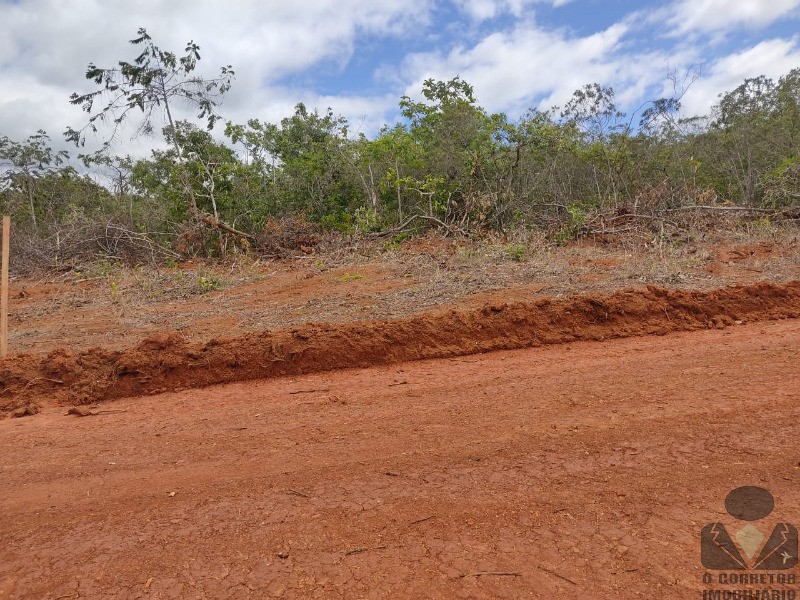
{"x": 448, "y": 163}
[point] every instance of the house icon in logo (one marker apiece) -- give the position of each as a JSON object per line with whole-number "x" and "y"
{"x": 749, "y": 548}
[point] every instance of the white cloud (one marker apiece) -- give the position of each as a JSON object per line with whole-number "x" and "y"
{"x": 717, "y": 15}
{"x": 773, "y": 58}
{"x": 511, "y": 71}
{"x": 481, "y": 10}
{"x": 45, "y": 47}
{"x": 367, "y": 114}
{"x": 26, "y": 116}
{"x": 281, "y": 50}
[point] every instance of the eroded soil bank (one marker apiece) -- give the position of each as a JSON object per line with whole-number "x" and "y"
{"x": 168, "y": 362}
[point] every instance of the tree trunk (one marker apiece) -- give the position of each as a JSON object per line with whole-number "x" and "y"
{"x": 29, "y": 188}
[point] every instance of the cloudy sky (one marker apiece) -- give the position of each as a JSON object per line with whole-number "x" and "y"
{"x": 360, "y": 56}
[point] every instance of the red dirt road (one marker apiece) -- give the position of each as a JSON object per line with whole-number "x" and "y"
{"x": 581, "y": 470}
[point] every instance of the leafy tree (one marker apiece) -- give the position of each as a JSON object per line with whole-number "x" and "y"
{"x": 754, "y": 99}
{"x": 24, "y": 164}
{"x": 541, "y": 172}
{"x": 383, "y": 165}
{"x": 206, "y": 169}
{"x": 782, "y": 184}
{"x": 463, "y": 152}
{"x": 305, "y": 162}
{"x": 788, "y": 117}
{"x": 593, "y": 111}
{"x": 753, "y": 132}
{"x": 155, "y": 81}
{"x": 66, "y": 197}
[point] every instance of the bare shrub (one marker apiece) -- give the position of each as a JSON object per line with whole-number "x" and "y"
{"x": 288, "y": 235}
{"x": 66, "y": 246}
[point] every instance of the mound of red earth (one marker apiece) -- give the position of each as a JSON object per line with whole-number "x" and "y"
{"x": 167, "y": 362}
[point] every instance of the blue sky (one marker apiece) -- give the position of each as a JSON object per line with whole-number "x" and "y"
{"x": 360, "y": 56}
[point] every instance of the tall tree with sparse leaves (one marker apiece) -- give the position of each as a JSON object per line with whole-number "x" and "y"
{"x": 154, "y": 83}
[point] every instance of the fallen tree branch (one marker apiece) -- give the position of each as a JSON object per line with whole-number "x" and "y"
{"x": 724, "y": 208}
{"x": 398, "y": 229}
{"x": 217, "y": 224}
{"x": 449, "y": 228}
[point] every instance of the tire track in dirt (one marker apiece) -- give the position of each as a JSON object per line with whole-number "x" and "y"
{"x": 167, "y": 362}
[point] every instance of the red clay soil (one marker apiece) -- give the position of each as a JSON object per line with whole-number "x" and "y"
{"x": 168, "y": 362}
{"x": 578, "y": 470}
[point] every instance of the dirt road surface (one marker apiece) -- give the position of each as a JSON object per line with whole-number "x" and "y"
{"x": 579, "y": 470}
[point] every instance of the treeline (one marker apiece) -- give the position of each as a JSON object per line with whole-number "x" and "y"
{"x": 449, "y": 164}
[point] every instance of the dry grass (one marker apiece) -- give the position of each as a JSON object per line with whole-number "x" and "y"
{"x": 354, "y": 279}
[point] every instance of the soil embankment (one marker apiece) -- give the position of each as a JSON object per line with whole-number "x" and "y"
{"x": 167, "y": 362}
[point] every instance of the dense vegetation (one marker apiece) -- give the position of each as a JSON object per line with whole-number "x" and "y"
{"x": 449, "y": 164}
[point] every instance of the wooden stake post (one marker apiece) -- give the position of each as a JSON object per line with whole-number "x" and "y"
{"x": 4, "y": 289}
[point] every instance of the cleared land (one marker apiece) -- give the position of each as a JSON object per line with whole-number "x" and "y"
{"x": 574, "y": 468}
